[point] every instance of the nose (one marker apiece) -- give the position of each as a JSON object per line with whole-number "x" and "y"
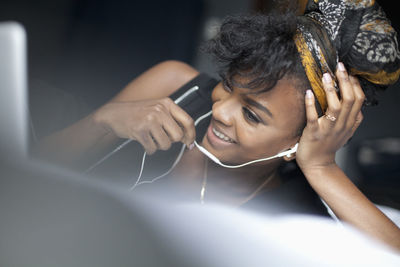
{"x": 224, "y": 110}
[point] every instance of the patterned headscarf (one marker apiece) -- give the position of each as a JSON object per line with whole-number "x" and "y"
{"x": 355, "y": 32}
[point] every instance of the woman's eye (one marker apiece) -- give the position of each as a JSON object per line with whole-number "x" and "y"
{"x": 250, "y": 115}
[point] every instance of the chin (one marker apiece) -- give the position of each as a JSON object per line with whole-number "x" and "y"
{"x": 223, "y": 154}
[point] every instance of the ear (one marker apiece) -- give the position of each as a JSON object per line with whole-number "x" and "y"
{"x": 290, "y": 157}
{"x": 291, "y": 153}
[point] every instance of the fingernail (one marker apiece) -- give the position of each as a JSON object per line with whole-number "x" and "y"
{"x": 309, "y": 94}
{"x": 327, "y": 78}
{"x": 191, "y": 146}
{"x": 341, "y": 66}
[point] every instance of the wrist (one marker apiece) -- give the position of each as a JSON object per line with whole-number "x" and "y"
{"x": 315, "y": 162}
{"x": 319, "y": 170}
{"x": 98, "y": 121}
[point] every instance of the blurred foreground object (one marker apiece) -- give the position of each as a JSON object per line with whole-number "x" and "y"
{"x": 54, "y": 218}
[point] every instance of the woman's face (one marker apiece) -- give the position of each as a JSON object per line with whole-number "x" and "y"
{"x": 247, "y": 126}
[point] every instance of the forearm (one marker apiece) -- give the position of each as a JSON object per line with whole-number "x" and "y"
{"x": 351, "y": 205}
{"x": 75, "y": 145}
{"x": 93, "y": 135}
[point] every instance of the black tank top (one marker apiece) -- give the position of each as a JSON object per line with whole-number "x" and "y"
{"x": 294, "y": 195}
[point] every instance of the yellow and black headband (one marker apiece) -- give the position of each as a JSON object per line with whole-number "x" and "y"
{"x": 355, "y": 32}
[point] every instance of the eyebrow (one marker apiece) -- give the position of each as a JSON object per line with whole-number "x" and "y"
{"x": 258, "y": 105}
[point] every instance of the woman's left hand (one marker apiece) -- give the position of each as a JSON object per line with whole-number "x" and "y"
{"x": 323, "y": 136}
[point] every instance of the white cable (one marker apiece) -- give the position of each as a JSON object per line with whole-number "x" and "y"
{"x": 216, "y": 160}
{"x": 137, "y": 183}
{"x": 140, "y": 172}
{"x": 209, "y": 155}
{"x": 118, "y": 148}
{"x": 202, "y": 149}
{"x": 177, "y": 101}
{"x": 178, "y": 158}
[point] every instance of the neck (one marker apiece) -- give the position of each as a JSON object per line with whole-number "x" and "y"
{"x": 230, "y": 186}
{"x": 238, "y": 185}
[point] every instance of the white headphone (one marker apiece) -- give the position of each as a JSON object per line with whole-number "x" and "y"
{"x": 287, "y": 153}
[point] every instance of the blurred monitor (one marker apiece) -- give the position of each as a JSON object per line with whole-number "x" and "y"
{"x": 13, "y": 91}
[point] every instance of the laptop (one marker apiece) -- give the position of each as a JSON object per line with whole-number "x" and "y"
{"x": 13, "y": 91}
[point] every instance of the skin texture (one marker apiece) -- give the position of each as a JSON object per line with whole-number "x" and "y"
{"x": 127, "y": 116}
{"x": 156, "y": 124}
{"x": 86, "y": 140}
{"x": 255, "y": 130}
{"x": 316, "y": 158}
{"x": 322, "y": 137}
{"x": 154, "y": 120}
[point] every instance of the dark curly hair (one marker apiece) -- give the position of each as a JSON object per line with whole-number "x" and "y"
{"x": 260, "y": 48}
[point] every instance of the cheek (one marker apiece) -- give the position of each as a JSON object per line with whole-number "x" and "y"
{"x": 294, "y": 123}
{"x": 263, "y": 141}
{"x": 254, "y": 139}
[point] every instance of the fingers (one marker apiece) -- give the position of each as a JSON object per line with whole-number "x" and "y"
{"x": 177, "y": 125}
{"x": 352, "y": 99}
{"x": 346, "y": 92}
{"x": 184, "y": 120}
{"x": 162, "y": 123}
{"x": 311, "y": 112}
{"x": 173, "y": 130}
{"x": 334, "y": 105}
{"x": 343, "y": 113}
{"x": 359, "y": 98}
{"x": 161, "y": 138}
{"x": 147, "y": 142}
{"x": 357, "y": 122}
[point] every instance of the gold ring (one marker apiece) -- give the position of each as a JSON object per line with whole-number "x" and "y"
{"x": 330, "y": 117}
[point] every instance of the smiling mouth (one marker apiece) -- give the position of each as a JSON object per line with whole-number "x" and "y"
{"x": 222, "y": 136}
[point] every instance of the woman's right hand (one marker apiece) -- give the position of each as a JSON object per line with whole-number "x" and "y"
{"x": 155, "y": 124}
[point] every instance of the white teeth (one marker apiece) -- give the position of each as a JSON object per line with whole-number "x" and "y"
{"x": 222, "y": 136}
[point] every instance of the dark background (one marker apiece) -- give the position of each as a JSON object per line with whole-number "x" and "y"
{"x": 82, "y": 52}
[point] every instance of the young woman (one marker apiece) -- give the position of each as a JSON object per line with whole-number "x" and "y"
{"x": 285, "y": 80}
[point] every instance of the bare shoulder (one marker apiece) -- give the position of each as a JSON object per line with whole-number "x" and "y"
{"x": 181, "y": 71}
{"x": 159, "y": 81}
